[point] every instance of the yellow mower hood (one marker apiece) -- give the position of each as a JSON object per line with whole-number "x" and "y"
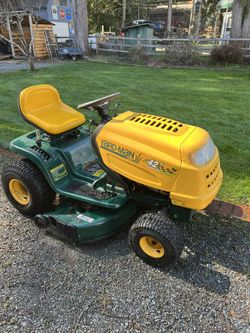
{"x": 154, "y": 151}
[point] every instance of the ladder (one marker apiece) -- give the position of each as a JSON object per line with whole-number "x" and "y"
{"x": 51, "y": 44}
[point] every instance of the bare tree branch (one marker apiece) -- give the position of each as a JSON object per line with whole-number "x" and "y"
{"x": 15, "y": 44}
{"x": 12, "y": 17}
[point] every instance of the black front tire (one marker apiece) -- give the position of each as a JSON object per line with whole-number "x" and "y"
{"x": 167, "y": 241}
{"x": 41, "y": 196}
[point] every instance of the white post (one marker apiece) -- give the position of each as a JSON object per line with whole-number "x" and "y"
{"x": 138, "y": 40}
{"x": 169, "y": 23}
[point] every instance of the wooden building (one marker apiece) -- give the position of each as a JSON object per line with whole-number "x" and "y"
{"x": 44, "y": 39}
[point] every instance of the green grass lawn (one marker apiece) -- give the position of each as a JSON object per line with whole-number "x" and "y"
{"x": 217, "y": 100}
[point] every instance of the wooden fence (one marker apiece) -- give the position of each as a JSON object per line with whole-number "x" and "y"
{"x": 156, "y": 46}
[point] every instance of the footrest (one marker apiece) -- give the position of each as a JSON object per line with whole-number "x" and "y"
{"x": 88, "y": 191}
{"x": 94, "y": 169}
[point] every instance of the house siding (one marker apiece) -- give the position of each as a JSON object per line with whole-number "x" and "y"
{"x": 58, "y": 14}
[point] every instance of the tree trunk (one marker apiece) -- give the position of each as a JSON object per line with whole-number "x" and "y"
{"x": 81, "y": 24}
{"x": 237, "y": 19}
{"x": 245, "y": 33}
{"x": 191, "y": 20}
{"x": 31, "y": 64}
{"x": 169, "y": 26}
{"x": 124, "y": 10}
{"x": 10, "y": 37}
{"x": 198, "y": 20}
{"x": 216, "y": 25}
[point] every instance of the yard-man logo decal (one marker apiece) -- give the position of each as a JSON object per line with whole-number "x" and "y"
{"x": 121, "y": 151}
{"x": 137, "y": 158}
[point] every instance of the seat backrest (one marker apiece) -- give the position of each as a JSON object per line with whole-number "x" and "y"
{"x": 42, "y": 107}
{"x": 35, "y": 99}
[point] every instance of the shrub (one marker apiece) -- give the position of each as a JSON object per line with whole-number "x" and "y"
{"x": 227, "y": 54}
{"x": 137, "y": 55}
{"x": 182, "y": 53}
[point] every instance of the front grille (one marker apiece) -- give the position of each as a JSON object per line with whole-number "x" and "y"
{"x": 161, "y": 123}
{"x": 212, "y": 175}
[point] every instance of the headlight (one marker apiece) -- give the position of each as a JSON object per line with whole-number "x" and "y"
{"x": 204, "y": 155}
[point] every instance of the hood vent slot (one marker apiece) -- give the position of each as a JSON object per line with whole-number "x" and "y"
{"x": 161, "y": 123}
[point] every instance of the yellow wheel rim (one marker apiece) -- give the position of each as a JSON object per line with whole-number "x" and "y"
{"x": 19, "y": 192}
{"x": 152, "y": 247}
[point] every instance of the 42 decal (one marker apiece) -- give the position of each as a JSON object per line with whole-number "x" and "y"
{"x": 159, "y": 166}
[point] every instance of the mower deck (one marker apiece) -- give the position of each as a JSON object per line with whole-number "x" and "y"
{"x": 84, "y": 225}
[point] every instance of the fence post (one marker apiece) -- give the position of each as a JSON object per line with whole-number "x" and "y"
{"x": 122, "y": 42}
{"x": 138, "y": 40}
{"x": 97, "y": 45}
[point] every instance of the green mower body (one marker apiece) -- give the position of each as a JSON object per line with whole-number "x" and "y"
{"x": 90, "y": 209}
{"x": 71, "y": 169}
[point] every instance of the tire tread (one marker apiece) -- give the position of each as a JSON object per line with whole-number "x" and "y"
{"x": 161, "y": 226}
{"x": 34, "y": 177}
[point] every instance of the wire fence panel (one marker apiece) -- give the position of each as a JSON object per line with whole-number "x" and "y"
{"x": 157, "y": 46}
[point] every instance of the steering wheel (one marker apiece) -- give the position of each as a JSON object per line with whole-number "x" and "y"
{"x": 98, "y": 103}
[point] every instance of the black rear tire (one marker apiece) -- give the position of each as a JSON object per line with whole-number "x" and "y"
{"x": 41, "y": 196}
{"x": 156, "y": 239}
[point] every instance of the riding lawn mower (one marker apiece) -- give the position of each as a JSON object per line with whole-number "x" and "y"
{"x": 85, "y": 181}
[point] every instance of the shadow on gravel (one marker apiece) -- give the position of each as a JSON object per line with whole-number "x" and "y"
{"x": 102, "y": 249}
{"x": 213, "y": 245}
{"x": 202, "y": 275}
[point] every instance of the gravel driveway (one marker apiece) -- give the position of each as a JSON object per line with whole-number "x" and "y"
{"x": 16, "y": 65}
{"x": 48, "y": 285}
